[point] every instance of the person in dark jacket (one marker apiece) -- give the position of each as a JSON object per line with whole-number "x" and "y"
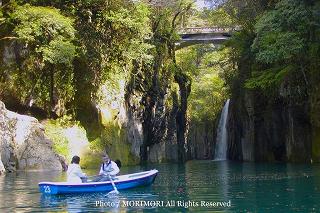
{"x": 108, "y": 169}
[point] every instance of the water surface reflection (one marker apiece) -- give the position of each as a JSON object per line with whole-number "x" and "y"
{"x": 249, "y": 187}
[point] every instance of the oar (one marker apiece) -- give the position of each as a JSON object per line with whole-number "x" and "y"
{"x": 115, "y": 190}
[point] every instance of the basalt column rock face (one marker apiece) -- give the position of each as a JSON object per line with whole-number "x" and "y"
{"x": 151, "y": 127}
{"x": 153, "y": 102}
{"x": 201, "y": 140}
{"x": 23, "y": 144}
{"x": 260, "y": 130}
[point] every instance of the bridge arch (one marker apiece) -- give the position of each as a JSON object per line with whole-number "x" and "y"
{"x": 203, "y": 35}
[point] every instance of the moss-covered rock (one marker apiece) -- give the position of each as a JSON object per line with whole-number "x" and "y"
{"x": 114, "y": 141}
{"x": 91, "y": 160}
{"x": 69, "y": 138}
{"x": 55, "y": 132}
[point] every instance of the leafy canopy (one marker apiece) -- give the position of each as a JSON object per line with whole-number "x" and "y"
{"x": 47, "y": 37}
{"x": 281, "y": 40}
{"x": 282, "y": 32}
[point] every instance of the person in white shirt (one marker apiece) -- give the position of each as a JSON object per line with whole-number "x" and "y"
{"x": 74, "y": 172}
{"x": 108, "y": 168}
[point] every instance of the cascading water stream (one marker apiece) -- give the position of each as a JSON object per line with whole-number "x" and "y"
{"x": 222, "y": 134}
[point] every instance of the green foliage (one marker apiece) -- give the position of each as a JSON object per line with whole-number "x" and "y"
{"x": 91, "y": 160}
{"x": 188, "y": 60}
{"x": 280, "y": 45}
{"x": 113, "y": 140}
{"x": 111, "y": 37}
{"x": 245, "y": 12}
{"x": 204, "y": 65}
{"x": 58, "y": 51}
{"x": 267, "y": 78}
{"x": 218, "y": 17}
{"x": 282, "y": 33}
{"x": 41, "y": 24}
{"x": 207, "y": 97}
{"x": 116, "y": 38}
{"x": 2, "y": 19}
{"x": 44, "y": 69}
{"x": 65, "y": 121}
{"x": 55, "y": 132}
{"x": 135, "y": 23}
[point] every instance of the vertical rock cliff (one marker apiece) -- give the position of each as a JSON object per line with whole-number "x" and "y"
{"x": 261, "y": 129}
{"x": 201, "y": 140}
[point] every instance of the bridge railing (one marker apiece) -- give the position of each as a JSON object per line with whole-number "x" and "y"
{"x": 191, "y": 30}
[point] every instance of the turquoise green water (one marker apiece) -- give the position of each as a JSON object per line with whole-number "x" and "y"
{"x": 248, "y": 187}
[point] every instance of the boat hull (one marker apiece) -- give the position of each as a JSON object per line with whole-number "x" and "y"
{"x": 122, "y": 182}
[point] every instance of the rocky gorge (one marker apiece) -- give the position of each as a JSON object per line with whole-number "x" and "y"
{"x": 120, "y": 85}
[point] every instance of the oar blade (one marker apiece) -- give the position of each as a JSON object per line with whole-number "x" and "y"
{"x": 113, "y": 193}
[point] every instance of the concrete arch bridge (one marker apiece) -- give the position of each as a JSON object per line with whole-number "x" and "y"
{"x": 204, "y": 35}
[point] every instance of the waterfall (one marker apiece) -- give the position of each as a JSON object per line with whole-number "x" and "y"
{"x": 221, "y": 142}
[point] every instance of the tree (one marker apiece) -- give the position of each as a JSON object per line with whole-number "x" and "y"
{"x": 281, "y": 43}
{"x": 44, "y": 74}
{"x": 204, "y": 66}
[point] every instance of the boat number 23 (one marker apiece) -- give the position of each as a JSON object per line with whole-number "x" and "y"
{"x": 47, "y": 189}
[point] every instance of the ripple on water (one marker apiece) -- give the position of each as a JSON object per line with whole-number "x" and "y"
{"x": 249, "y": 187}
